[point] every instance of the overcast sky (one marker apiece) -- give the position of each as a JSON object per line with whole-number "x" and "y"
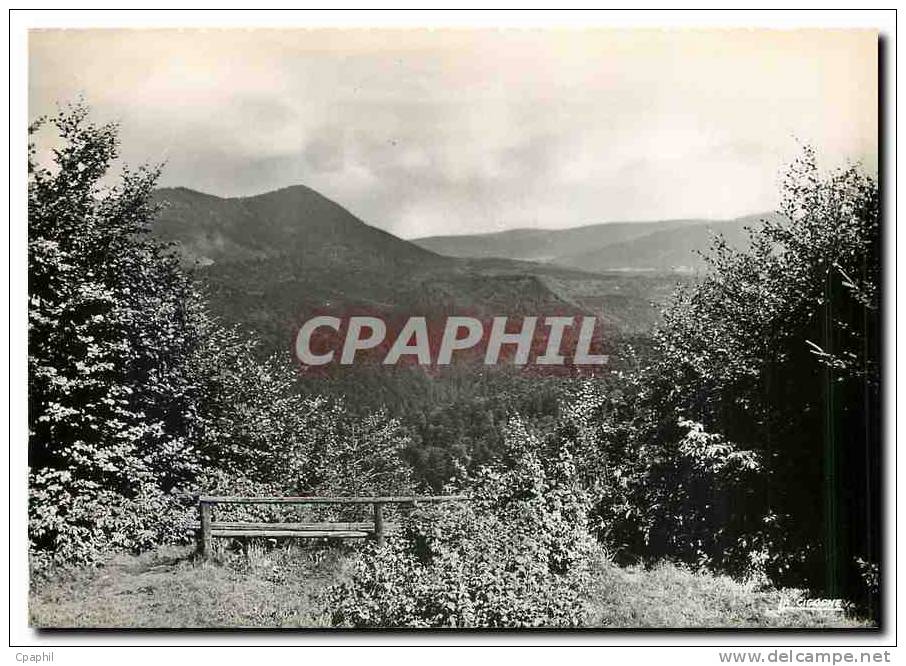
{"x": 423, "y": 133}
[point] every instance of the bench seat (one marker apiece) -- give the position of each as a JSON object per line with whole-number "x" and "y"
{"x": 358, "y": 530}
{"x": 300, "y": 534}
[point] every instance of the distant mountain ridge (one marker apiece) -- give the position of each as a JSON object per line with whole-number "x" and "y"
{"x": 667, "y": 245}
{"x": 539, "y": 244}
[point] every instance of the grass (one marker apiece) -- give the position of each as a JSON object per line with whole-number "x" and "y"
{"x": 280, "y": 588}
{"x": 670, "y": 596}
{"x": 166, "y": 588}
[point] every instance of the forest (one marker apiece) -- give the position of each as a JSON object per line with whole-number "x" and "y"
{"x": 739, "y": 438}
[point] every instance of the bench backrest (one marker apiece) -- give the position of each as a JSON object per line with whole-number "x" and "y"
{"x": 206, "y": 502}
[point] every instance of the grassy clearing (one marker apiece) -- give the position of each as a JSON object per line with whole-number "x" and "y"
{"x": 669, "y": 596}
{"x": 166, "y": 588}
{"x": 280, "y": 588}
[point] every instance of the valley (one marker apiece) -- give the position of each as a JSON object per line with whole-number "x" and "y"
{"x": 270, "y": 262}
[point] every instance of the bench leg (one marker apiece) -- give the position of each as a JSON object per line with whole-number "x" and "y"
{"x": 379, "y": 524}
{"x": 204, "y": 533}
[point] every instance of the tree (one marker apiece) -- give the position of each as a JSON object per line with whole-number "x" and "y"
{"x": 761, "y": 428}
{"x": 136, "y": 391}
{"x": 108, "y": 337}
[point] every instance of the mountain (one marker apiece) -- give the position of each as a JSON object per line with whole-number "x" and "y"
{"x": 541, "y": 244}
{"x": 665, "y": 249}
{"x": 270, "y": 261}
{"x": 669, "y": 245}
{"x": 291, "y": 222}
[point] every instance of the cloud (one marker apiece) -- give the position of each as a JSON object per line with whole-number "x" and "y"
{"x": 422, "y": 132}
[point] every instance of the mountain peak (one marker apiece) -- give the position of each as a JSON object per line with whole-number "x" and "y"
{"x": 292, "y": 221}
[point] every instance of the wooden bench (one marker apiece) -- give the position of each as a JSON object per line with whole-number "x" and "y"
{"x": 207, "y": 528}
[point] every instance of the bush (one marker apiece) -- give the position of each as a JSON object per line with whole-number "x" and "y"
{"x": 516, "y": 555}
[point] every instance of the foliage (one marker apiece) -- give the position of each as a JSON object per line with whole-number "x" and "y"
{"x": 108, "y": 335}
{"x": 751, "y": 439}
{"x": 259, "y": 434}
{"x": 514, "y": 556}
{"x": 136, "y": 391}
{"x": 463, "y": 426}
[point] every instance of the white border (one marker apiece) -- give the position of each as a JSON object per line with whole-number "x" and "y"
{"x": 22, "y": 20}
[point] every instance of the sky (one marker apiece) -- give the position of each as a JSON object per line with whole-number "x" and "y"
{"x": 429, "y": 132}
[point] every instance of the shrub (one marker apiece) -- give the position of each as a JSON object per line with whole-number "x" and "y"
{"x": 516, "y": 555}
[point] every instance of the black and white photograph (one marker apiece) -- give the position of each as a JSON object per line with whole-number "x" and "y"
{"x": 432, "y": 328}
